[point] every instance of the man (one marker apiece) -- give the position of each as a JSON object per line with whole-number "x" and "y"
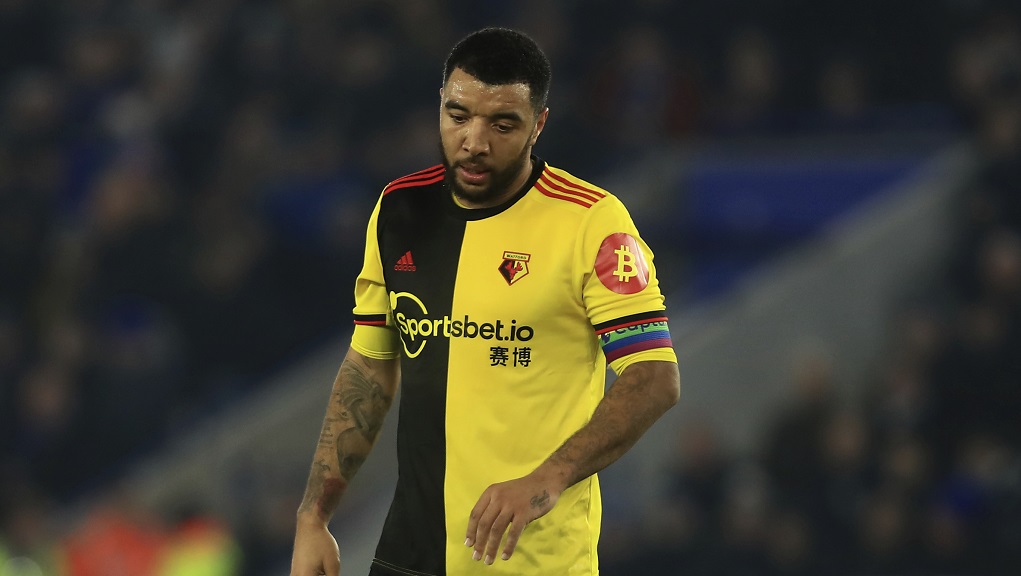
{"x": 496, "y": 288}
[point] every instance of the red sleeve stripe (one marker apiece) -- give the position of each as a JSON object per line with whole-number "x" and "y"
{"x": 430, "y": 171}
{"x": 574, "y": 186}
{"x": 604, "y": 330}
{"x": 542, "y": 188}
{"x": 421, "y": 174}
{"x": 393, "y": 187}
{"x": 370, "y": 319}
{"x": 421, "y": 178}
{"x": 567, "y": 191}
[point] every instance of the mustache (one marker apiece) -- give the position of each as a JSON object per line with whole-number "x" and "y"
{"x": 473, "y": 161}
{"x": 476, "y": 160}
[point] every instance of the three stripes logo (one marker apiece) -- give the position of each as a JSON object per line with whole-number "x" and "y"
{"x": 405, "y": 263}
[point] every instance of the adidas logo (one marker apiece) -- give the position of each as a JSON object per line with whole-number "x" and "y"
{"x": 405, "y": 264}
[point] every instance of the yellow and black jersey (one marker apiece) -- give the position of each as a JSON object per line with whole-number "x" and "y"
{"x": 505, "y": 319}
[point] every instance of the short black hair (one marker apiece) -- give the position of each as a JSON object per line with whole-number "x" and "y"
{"x": 500, "y": 56}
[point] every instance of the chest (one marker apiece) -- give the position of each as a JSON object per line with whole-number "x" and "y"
{"x": 517, "y": 266}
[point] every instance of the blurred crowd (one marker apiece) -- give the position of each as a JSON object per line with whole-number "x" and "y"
{"x": 922, "y": 473}
{"x": 184, "y": 186}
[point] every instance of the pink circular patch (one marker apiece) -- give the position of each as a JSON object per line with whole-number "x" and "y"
{"x": 620, "y": 264}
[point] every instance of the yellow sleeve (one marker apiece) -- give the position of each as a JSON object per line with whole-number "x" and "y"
{"x": 620, "y": 288}
{"x": 374, "y": 335}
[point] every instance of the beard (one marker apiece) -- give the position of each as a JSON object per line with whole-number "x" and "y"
{"x": 500, "y": 180}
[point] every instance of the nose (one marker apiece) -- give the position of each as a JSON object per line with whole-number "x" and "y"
{"x": 475, "y": 141}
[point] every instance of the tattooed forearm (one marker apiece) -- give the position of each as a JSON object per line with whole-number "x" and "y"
{"x": 362, "y": 400}
{"x": 322, "y": 492}
{"x": 327, "y": 436}
{"x": 361, "y": 397}
{"x": 333, "y": 489}
{"x": 642, "y": 393}
{"x": 349, "y": 464}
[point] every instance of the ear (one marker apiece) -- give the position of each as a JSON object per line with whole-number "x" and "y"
{"x": 540, "y": 123}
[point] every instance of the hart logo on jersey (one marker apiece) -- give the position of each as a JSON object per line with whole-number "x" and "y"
{"x": 514, "y": 266}
{"x": 620, "y": 264}
{"x": 416, "y": 329}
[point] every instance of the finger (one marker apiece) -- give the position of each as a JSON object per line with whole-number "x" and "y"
{"x": 473, "y": 518}
{"x": 482, "y": 535}
{"x": 516, "y": 529}
{"x": 496, "y": 534}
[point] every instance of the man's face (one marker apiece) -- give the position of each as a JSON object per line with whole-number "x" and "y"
{"x": 487, "y": 133}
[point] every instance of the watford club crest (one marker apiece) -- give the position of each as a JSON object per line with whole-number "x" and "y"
{"x": 514, "y": 266}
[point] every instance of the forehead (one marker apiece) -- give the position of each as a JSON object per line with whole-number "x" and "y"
{"x": 466, "y": 90}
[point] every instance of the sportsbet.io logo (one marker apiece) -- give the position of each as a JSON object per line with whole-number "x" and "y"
{"x": 417, "y": 327}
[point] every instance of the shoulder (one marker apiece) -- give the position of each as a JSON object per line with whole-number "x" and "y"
{"x": 564, "y": 187}
{"x": 426, "y": 177}
{"x": 580, "y": 200}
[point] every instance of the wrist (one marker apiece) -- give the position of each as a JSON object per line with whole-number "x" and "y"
{"x": 555, "y": 474}
{"x": 311, "y": 517}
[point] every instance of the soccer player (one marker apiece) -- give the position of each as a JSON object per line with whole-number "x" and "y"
{"x": 496, "y": 289}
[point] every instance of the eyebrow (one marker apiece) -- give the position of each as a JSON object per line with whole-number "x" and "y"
{"x": 512, "y": 116}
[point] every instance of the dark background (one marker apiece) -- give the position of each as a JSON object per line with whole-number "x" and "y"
{"x": 184, "y": 186}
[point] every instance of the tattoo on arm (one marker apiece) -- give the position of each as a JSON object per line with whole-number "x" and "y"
{"x": 362, "y": 400}
{"x": 333, "y": 489}
{"x": 322, "y": 491}
{"x": 641, "y": 394}
{"x": 350, "y": 462}
{"x": 354, "y": 417}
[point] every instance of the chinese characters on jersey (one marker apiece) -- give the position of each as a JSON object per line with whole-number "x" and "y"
{"x": 502, "y": 356}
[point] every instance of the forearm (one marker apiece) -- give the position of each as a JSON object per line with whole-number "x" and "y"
{"x": 361, "y": 396}
{"x": 643, "y": 393}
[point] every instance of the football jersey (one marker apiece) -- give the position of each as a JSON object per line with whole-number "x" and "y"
{"x": 504, "y": 319}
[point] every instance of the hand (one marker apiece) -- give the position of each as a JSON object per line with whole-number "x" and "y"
{"x": 511, "y": 504}
{"x": 315, "y": 550}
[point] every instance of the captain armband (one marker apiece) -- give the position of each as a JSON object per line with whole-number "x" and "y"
{"x": 635, "y": 338}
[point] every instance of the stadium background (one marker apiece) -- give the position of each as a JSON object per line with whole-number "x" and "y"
{"x": 183, "y": 191}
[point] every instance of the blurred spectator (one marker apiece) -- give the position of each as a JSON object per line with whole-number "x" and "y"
{"x": 844, "y": 485}
{"x": 200, "y": 546}
{"x": 688, "y": 530}
{"x": 790, "y": 544}
{"x": 120, "y": 536}
{"x": 642, "y": 95}
{"x": 883, "y": 538}
{"x": 28, "y": 537}
{"x": 752, "y": 86}
{"x": 117, "y": 538}
{"x": 792, "y": 454}
{"x": 46, "y": 425}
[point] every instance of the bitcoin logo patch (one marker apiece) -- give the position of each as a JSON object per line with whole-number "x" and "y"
{"x": 620, "y": 264}
{"x": 625, "y": 264}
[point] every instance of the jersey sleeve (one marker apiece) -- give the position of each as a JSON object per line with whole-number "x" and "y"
{"x": 620, "y": 289}
{"x": 374, "y": 335}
